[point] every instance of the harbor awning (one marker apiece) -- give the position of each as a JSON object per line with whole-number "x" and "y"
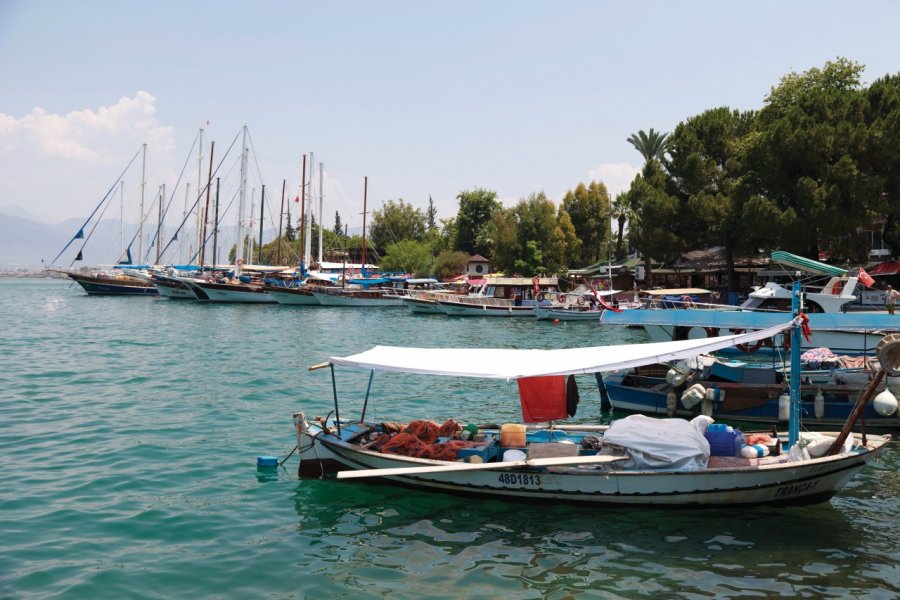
{"x": 884, "y": 269}
{"x": 504, "y": 363}
{"x": 793, "y": 261}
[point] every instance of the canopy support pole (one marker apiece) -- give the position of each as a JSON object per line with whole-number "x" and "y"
{"x": 794, "y": 421}
{"x": 368, "y": 390}
{"x": 337, "y": 412}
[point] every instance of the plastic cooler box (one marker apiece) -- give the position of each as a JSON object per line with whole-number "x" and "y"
{"x": 723, "y": 442}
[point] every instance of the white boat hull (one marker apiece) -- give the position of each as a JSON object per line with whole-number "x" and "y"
{"x": 231, "y": 293}
{"x": 551, "y": 314}
{"x": 327, "y": 299}
{"x": 466, "y": 309}
{"x": 773, "y": 482}
{"x": 293, "y": 297}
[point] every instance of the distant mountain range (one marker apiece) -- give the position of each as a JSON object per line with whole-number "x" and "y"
{"x": 29, "y": 244}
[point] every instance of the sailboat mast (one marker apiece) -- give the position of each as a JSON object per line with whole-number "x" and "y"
{"x": 307, "y": 242}
{"x": 121, "y": 219}
{"x": 187, "y": 195}
{"x": 281, "y": 218}
{"x": 365, "y": 195}
{"x": 212, "y": 148}
{"x": 321, "y": 200}
{"x": 303, "y": 213}
{"x": 201, "y": 212}
{"x": 159, "y": 221}
{"x": 262, "y": 208}
{"x": 216, "y": 226}
{"x": 143, "y": 186}
{"x": 242, "y": 202}
{"x": 250, "y": 239}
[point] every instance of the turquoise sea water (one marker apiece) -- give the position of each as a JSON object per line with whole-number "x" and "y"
{"x": 130, "y": 427}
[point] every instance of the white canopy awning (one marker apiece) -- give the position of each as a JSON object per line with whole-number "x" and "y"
{"x": 513, "y": 364}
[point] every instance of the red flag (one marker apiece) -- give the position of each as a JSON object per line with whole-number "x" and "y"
{"x": 865, "y": 278}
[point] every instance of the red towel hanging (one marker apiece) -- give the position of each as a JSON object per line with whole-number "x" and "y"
{"x": 543, "y": 398}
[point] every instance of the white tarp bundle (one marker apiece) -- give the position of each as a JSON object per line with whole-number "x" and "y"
{"x": 659, "y": 443}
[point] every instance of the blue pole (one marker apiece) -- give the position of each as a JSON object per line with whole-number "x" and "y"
{"x": 794, "y": 420}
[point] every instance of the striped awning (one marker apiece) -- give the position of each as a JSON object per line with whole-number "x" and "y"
{"x": 792, "y": 261}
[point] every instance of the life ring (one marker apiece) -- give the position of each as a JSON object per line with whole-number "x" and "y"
{"x": 562, "y": 297}
{"x": 746, "y": 347}
{"x": 540, "y": 297}
{"x": 581, "y": 300}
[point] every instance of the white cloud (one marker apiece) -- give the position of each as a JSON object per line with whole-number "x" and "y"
{"x": 60, "y": 165}
{"x": 616, "y": 176}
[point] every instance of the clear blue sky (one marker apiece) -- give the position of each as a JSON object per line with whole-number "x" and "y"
{"x": 423, "y": 97}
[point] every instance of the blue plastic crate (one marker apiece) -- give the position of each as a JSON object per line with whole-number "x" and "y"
{"x": 725, "y": 443}
{"x": 487, "y": 452}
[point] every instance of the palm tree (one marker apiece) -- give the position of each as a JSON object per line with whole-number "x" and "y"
{"x": 651, "y": 145}
{"x": 622, "y": 210}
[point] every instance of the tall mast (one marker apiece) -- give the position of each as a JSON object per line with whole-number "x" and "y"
{"x": 216, "y": 226}
{"x": 201, "y": 211}
{"x": 307, "y": 242}
{"x": 212, "y": 148}
{"x": 365, "y": 194}
{"x": 303, "y": 214}
{"x": 121, "y": 219}
{"x": 143, "y": 186}
{"x": 242, "y": 200}
{"x": 159, "y": 221}
{"x": 281, "y": 218}
{"x": 321, "y": 200}
{"x": 262, "y": 208}
{"x": 250, "y": 239}
{"x": 187, "y": 194}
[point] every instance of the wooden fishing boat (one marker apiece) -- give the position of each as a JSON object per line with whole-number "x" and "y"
{"x": 740, "y": 393}
{"x": 634, "y": 461}
{"x": 112, "y": 283}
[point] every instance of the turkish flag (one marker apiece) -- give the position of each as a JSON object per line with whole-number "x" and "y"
{"x": 865, "y": 278}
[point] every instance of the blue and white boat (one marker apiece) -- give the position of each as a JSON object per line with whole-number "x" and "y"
{"x": 843, "y": 333}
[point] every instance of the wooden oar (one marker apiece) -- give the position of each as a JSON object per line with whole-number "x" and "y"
{"x": 451, "y": 467}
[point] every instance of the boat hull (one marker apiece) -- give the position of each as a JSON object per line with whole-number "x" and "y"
{"x": 553, "y": 314}
{"x": 293, "y": 296}
{"x": 352, "y": 300}
{"x": 467, "y": 309}
{"x": 113, "y": 286}
{"x": 231, "y": 293}
{"x": 755, "y": 404}
{"x": 731, "y": 482}
{"x": 173, "y": 289}
{"x": 843, "y": 333}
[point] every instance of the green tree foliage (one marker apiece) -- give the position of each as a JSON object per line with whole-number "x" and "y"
{"x": 803, "y": 164}
{"x": 566, "y": 245}
{"x": 703, "y": 167}
{"x": 882, "y": 154}
{"x": 408, "y": 256}
{"x": 338, "y": 225}
{"x": 430, "y": 215}
{"x": 654, "y": 226}
{"x": 450, "y": 263}
{"x": 476, "y": 208}
{"x": 289, "y": 232}
{"x": 589, "y": 208}
{"x": 652, "y": 146}
{"x": 532, "y": 261}
{"x": 396, "y": 221}
{"x": 622, "y": 212}
{"x": 505, "y": 239}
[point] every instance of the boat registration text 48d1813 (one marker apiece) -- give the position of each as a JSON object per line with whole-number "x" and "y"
{"x": 520, "y": 479}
